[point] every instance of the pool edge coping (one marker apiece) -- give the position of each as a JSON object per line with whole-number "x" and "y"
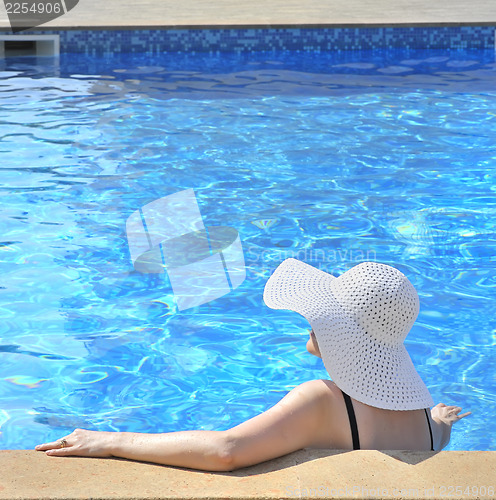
{"x": 303, "y": 474}
{"x": 257, "y": 26}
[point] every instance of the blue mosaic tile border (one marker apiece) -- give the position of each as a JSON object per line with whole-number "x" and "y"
{"x": 213, "y": 40}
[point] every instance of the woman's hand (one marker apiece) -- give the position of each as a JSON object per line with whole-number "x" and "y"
{"x": 447, "y": 414}
{"x": 444, "y": 416}
{"x": 82, "y": 443}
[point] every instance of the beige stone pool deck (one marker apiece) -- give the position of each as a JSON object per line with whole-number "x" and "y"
{"x": 306, "y": 474}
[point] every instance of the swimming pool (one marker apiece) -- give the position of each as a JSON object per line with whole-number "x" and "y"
{"x": 332, "y": 158}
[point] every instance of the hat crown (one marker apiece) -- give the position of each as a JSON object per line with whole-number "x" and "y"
{"x": 381, "y": 300}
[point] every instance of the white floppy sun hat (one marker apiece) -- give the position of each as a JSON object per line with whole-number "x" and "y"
{"x": 360, "y": 320}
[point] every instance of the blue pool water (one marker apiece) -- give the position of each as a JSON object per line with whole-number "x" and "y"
{"x": 330, "y": 158}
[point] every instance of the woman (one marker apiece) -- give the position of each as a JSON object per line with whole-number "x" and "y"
{"x": 376, "y": 399}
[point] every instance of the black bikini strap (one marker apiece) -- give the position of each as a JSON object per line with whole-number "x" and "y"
{"x": 430, "y": 430}
{"x": 353, "y": 423}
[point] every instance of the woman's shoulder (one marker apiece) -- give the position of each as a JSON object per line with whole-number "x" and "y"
{"x": 319, "y": 390}
{"x": 318, "y": 385}
{"x": 325, "y": 401}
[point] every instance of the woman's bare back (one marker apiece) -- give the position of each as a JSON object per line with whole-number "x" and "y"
{"x": 380, "y": 429}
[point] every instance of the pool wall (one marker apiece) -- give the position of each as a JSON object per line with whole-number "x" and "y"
{"x": 154, "y": 41}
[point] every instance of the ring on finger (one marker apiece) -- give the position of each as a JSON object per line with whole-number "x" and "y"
{"x": 63, "y": 443}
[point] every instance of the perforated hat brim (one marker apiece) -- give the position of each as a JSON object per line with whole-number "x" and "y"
{"x": 364, "y": 362}
{"x": 294, "y": 285}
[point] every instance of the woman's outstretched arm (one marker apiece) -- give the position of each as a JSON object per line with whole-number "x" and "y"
{"x": 290, "y": 425}
{"x": 206, "y": 450}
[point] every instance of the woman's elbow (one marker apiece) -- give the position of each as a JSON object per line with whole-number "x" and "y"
{"x": 228, "y": 455}
{"x": 224, "y": 461}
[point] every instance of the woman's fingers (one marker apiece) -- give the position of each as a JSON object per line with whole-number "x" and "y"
{"x": 452, "y": 412}
{"x": 449, "y": 414}
{"x": 59, "y": 444}
{"x": 56, "y": 450}
{"x": 44, "y": 446}
{"x": 61, "y": 452}
{"x": 455, "y": 410}
{"x": 62, "y": 447}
